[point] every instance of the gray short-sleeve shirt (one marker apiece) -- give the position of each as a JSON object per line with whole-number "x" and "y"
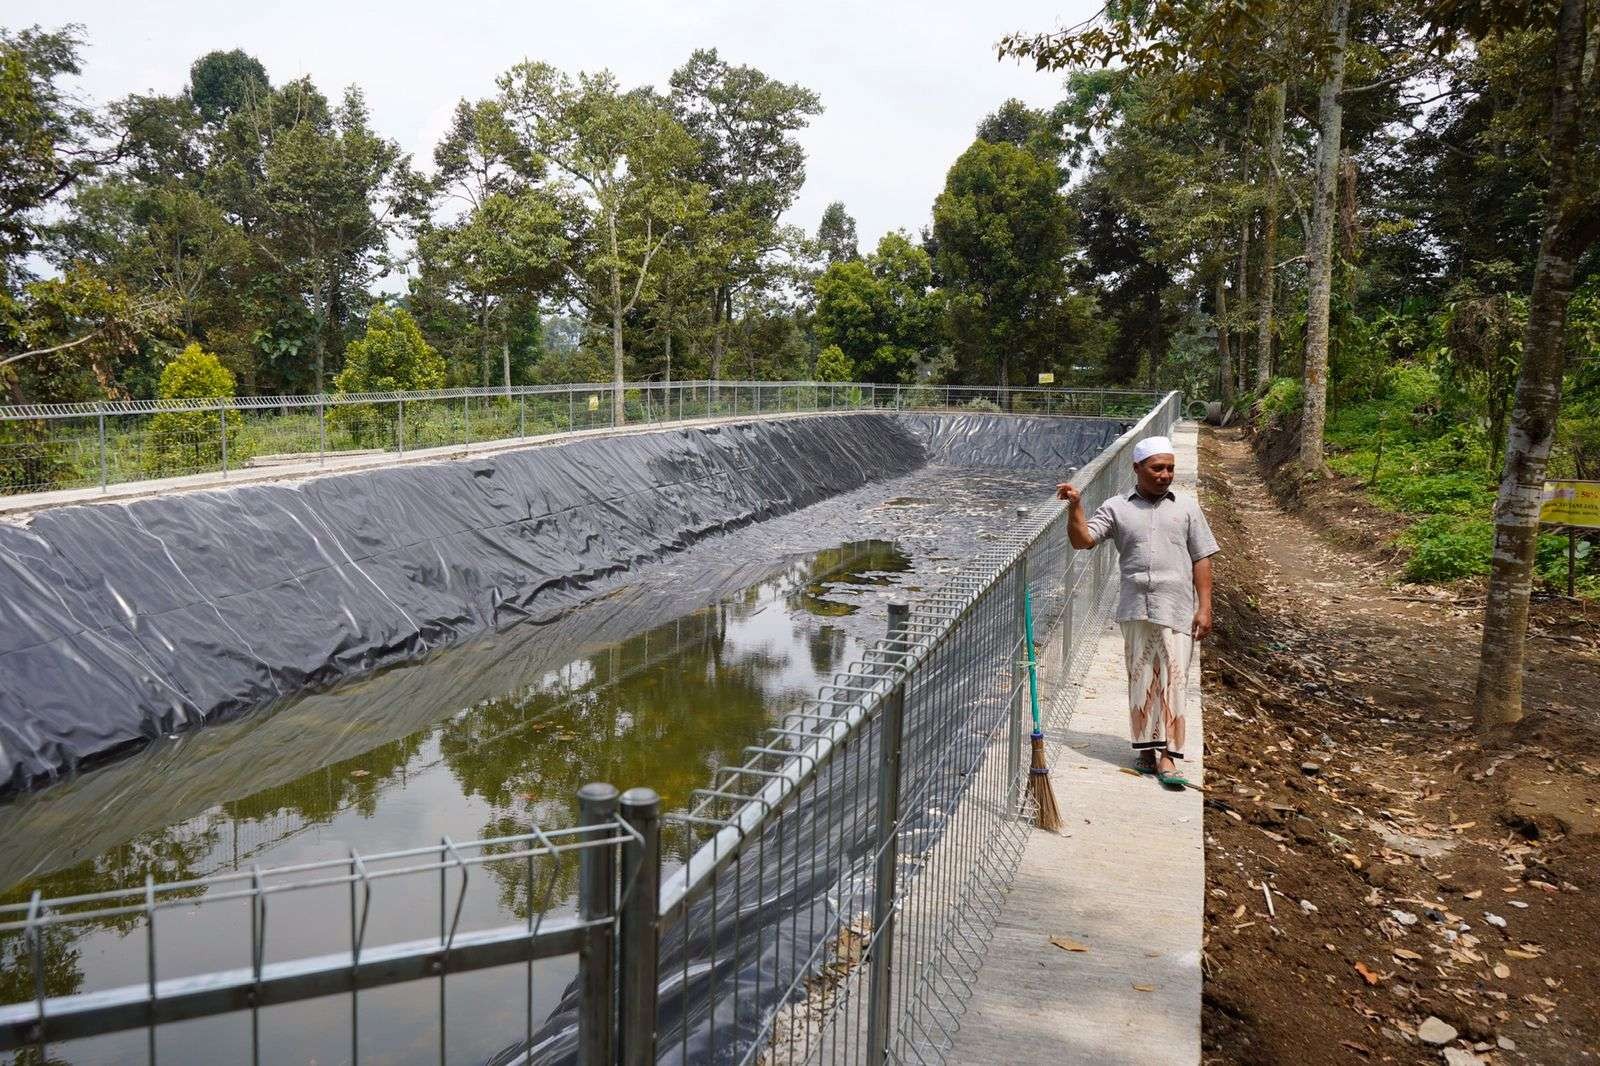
{"x": 1159, "y": 542}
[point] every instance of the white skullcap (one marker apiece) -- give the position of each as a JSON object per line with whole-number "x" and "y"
{"x": 1152, "y": 446}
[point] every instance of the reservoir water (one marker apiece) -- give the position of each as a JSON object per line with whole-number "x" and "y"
{"x": 657, "y": 681}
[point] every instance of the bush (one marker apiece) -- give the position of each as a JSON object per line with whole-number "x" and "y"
{"x": 980, "y": 404}
{"x": 834, "y": 365}
{"x": 1446, "y": 547}
{"x": 391, "y": 356}
{"x": 186, "y": 442}
{"x": 1283, "y": 397}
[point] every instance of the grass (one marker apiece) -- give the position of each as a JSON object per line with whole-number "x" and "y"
{"x": 1419, "y": 460}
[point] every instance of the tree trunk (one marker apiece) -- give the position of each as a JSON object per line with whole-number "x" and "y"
{"x": 1224, "y": 353}
{"x": 1269, "y": 237}
{"x": 717, "y": 339}
{"x": 1242, "y": 293}
{"x": 617, "y": 413}
{"x": 1533, "y": 419}
{"x": 1319, "y": 253}
{"x": 483, "y": 341}
{"x": 319, "y": 322}
{"x": 669, "y": 344}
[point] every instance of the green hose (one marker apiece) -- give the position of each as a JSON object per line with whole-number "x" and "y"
{"x": 1033, "y": 670}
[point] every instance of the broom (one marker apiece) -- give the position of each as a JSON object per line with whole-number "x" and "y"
{"x": 1044, "y": 796}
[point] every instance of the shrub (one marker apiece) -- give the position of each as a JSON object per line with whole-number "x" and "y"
{"x": 391, "y": 356}
{"x": 1284, "y": 396}
{"x": 186, "y": 442}
{"x": 981, "y": 404}
{"x": 834, "y": 365}
{"x": 1446, "y": 547}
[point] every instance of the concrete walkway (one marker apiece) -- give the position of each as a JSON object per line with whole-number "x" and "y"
{"x": 1126, "y": 879}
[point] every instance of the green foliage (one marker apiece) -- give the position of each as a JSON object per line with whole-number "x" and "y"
{"x": 881, "y": 312}
{"x": 391, "y": 356}
{"x": 833, "y": 365}
{"x": 1284, "y": 396}
{"x": 1447, "y": 547}
{"x": 1003, "y": 232}
{"x": 836, "y": 235}
{"x": 188, "y": 442}
{"x": 1418, "y": 456}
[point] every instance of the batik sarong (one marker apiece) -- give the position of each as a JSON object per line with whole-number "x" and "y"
{"x": 1158, "y": 675}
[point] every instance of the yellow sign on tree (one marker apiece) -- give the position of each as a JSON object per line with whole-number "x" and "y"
{"x": 1047, "y": 378}
{"x": 1571, "y": 503}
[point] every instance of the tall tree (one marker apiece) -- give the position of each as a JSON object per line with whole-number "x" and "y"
{"x": 1275, "y": 104}
{"x": 628, "y": 162}
{"x": 508, "y": 242}
{"x": 48, "y": 146}
{"x": 836, "y": 235}
{"x": 1571, "y": 226}
{"x": 752, "y": 166}
{"x": 881, "y": 312}
{"x": 1319, "y": 250}
{"x": 1003, "y": 231}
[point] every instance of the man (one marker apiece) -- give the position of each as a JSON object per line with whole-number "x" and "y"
{"x": 1165, "y": 601}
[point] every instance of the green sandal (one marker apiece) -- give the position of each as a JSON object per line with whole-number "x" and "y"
{"x": 1174, "y": 780}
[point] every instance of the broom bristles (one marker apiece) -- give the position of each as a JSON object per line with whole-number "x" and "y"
{"x": 1044, "y": 794}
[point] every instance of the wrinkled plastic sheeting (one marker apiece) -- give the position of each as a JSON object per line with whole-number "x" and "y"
{"x": 726, "y": 964}
{"x": 1015, "y": 442}
{"x": 122, "y": 622}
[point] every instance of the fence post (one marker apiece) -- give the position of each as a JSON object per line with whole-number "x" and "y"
{"x": 400, "y": 430}
{"x": 597, "y": 896}
{"x": 899, "y": 616}
{"x": 223, "y": 415}
{"x": 880, "y": 981}
{"x": 572, "y": 410}
{"x": 322, "y": 432}
{"x": 466, "y": 422}
{"x": 101, "y": 418}
{"x": 641, "y": 881}
{"x": 522, "y": 414}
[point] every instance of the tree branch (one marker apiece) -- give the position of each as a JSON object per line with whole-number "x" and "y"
{"x": 46, "y": 351}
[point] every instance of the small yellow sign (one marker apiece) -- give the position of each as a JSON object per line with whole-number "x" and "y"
{"x": 1571, "y": 503}
{"x": 1047, "y": 378}
{"x": 594, "y": 402}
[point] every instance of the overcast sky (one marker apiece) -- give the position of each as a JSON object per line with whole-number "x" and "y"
{"x": 903, "y": 84}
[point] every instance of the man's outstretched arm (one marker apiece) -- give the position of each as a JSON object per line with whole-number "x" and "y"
{"x": 1202, "y": 598}
{"x": 1078, "y": 534}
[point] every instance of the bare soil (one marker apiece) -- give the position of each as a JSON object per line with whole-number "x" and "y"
{"x": 1414, "y": 871}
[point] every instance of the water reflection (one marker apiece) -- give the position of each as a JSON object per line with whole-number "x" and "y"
{"x": 662, "y": 707}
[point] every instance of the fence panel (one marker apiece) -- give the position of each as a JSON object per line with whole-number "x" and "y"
{"x": 830, "y": 898}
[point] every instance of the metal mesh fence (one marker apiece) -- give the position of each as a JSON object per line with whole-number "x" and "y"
{"x": 828, "y": 900}
{"x": 56, "y": 447}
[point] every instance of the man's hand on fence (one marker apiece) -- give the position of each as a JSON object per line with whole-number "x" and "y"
{"x": 1066, "y": 491}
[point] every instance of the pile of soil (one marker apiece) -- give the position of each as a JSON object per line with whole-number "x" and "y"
{"x": 1382, "y": 884}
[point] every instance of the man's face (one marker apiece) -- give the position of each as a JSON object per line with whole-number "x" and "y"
{"x": 1155, "y": 474}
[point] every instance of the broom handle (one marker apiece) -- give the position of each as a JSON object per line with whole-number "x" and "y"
{"x": 1033, "y": 671}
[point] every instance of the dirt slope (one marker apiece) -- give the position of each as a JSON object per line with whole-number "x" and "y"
{"x": 1413, "y": 874}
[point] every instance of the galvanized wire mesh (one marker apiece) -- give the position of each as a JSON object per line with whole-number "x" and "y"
{"x": 56, "y": 447}
{"x": 848, "y": 874}
{"x": 834, "y": 894}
